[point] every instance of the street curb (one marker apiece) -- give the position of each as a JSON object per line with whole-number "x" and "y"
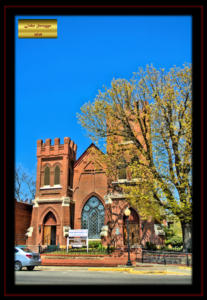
{"x": 130, "y": 270}
{"x": 185, "y": 268}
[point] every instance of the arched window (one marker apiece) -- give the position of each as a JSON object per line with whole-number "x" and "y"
{"x": 57, "y": 175}
{"x": 93, "y": 217}
{"x": 47, "y": 176}
{"x": 122, "y": 174}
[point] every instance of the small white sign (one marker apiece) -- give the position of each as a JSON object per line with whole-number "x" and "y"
{"x": 78, "y": 233}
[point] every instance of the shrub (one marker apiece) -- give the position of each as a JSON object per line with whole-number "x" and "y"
{"x": 159, "y": 247}
{"x": 94, "y": 244}
{"x": 176, "y": 249}
{"x": 168, "y": 232}
{"x": 100, "y": 247}
{"x": 175, "y": 241}
{"x": 150, "y": 246}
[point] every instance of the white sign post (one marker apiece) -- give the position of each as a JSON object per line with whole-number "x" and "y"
{"x": 78, "y": 233}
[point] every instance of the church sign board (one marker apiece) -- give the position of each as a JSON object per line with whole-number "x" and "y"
{"x": 77, "y": 238}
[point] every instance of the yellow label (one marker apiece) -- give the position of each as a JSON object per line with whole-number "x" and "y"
{"x": 37, "y": 28}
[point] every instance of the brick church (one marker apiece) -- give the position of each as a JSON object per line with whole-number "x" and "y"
{"x": 73, "y": 194}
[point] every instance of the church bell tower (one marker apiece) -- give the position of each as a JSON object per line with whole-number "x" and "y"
{"x": 53, "y": 207}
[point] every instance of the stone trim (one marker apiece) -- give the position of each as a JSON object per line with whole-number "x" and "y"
{"x": 49, "y": 187}
{"x": 64, "y": 200}
{"x": 35, "y": 202}
{"x": 108, "y": 201}
{"x": 126, "y": 143}
{"x": 66, "y": 230}
{"x": 109, "y": 197}
{"x": 134, "y": 180}
{"x": 29, "y": 232}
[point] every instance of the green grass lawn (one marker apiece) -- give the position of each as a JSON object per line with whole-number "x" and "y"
{"x": 74, "y": 252}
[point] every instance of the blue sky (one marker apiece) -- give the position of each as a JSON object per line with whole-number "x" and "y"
{"x": 55, "y": 77}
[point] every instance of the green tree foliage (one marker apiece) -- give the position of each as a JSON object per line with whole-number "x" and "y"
{"x": 149, "y": 118}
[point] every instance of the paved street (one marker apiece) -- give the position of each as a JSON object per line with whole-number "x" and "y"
{"x": 89, "y": 276}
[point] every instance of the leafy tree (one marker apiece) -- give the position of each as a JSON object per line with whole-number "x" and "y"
{"x": 148, "y": 119}
{"x": 24, "y": 185}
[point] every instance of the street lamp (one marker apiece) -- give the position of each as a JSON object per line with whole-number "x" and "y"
{"x": 127, "y": 213}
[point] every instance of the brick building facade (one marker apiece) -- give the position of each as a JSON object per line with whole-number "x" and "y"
{"x": 23, "y": 213}
{"x": 74, "y": 194}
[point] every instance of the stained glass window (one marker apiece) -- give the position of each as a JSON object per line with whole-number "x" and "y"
{"x": 93, "y": 217}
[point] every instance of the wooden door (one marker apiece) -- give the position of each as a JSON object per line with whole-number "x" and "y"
{"x": 134, "y": 234}
{"x": 47, "y": 235}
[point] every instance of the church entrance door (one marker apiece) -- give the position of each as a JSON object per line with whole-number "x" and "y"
{"x": 134, "y": 236}
{"x": 49, "y": 233}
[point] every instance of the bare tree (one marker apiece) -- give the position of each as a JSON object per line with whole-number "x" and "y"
{"x": 24, "y": 185}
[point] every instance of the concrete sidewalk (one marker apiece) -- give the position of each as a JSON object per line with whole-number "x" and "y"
{"x": 151, "y": 269}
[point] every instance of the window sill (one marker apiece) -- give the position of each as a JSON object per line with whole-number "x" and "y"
{"x": 48, "y": 187}
{"x": 126, "y": 181}
{"x": 126, "y": 143}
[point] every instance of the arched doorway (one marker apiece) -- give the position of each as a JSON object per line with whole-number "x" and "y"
{"x": 134, "y": 231}
{"x": 92, "y": 217}
{"x": 49, "y": 232}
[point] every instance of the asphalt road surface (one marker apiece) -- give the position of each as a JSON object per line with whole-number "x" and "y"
{"x": 56, "y": 276}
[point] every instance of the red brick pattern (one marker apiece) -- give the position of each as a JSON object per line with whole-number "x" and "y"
{"x": 23, "y": 212}
{"x": 97, "y": 261}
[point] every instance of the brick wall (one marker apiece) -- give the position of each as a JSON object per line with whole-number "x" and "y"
{"x": 149, "y": 235}
{"x": 23, "y": 213}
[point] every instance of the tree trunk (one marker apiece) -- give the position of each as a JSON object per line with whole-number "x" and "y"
{"x": 187, "y": 236}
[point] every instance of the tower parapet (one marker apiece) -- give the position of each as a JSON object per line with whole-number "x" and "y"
{"x": 55, "y": 163}
{"x": 68, "y": 148}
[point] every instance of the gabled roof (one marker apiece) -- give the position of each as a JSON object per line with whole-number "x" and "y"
{"x": 85, "y": 152}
